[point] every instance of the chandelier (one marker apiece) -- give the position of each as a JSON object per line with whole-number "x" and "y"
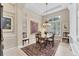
{"x": 46, "y": 23}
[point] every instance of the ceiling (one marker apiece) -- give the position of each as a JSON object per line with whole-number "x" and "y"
{"x": 42, "y": 8}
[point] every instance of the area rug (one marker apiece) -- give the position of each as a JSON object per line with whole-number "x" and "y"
{"x": 32, "y": 50}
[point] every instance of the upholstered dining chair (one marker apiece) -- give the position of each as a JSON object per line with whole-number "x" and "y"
{"x": 51, "y": 40}
{"x": 39, "y": 41}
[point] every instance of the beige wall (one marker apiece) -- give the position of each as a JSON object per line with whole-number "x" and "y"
{"x": 21, "y": 23}
{"x": 64, "y": 18}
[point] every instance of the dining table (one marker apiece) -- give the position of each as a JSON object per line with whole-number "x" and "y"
{"x": 44, "y": 40}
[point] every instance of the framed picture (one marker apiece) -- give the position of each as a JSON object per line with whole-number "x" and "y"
{"x": 7, "y": 24}
{"x": 34, "y": 27}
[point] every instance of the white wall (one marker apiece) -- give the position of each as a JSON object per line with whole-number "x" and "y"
{"x": 73, "y": 29}
{"x": 21, "y": 23}
{"x": 24, "y": 16}
{"x": 10, "y": 40}
{"x": 78, "y": 23}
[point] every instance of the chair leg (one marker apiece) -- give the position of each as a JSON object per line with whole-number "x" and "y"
{"x": 52, "y": 44}
{"x": 40, "y": 47}
{"x": 23, "y": 42}
{"x": 45, "y": 44}
{"x": 36, "y": 46}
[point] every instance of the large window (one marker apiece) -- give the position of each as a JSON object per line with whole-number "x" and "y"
{"x": 55, "y": 25}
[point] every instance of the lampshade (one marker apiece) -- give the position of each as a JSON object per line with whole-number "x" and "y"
{"x": 46, "y": 24}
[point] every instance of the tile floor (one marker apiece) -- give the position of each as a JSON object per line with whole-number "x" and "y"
{"x": 63, "y": 50}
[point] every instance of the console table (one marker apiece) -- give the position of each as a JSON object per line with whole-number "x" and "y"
{"x": 65, "y": 37}
{"x": 24, "y": 40}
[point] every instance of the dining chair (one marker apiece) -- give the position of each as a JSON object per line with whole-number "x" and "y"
{"x": 51, "y": 40}
{"x": 39, "y": 41}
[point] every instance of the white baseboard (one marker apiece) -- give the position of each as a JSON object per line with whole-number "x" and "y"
{"x": 25, "y": 45}
{"x": 20, "y": 46}
{"x": 75, "y": 52}
{"x": 72, "y": 49}
{"x": 9, "y": 49}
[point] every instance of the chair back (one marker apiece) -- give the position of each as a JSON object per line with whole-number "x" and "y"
{"x": 38, "y": 35}
{"x": 53, "y": 36}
